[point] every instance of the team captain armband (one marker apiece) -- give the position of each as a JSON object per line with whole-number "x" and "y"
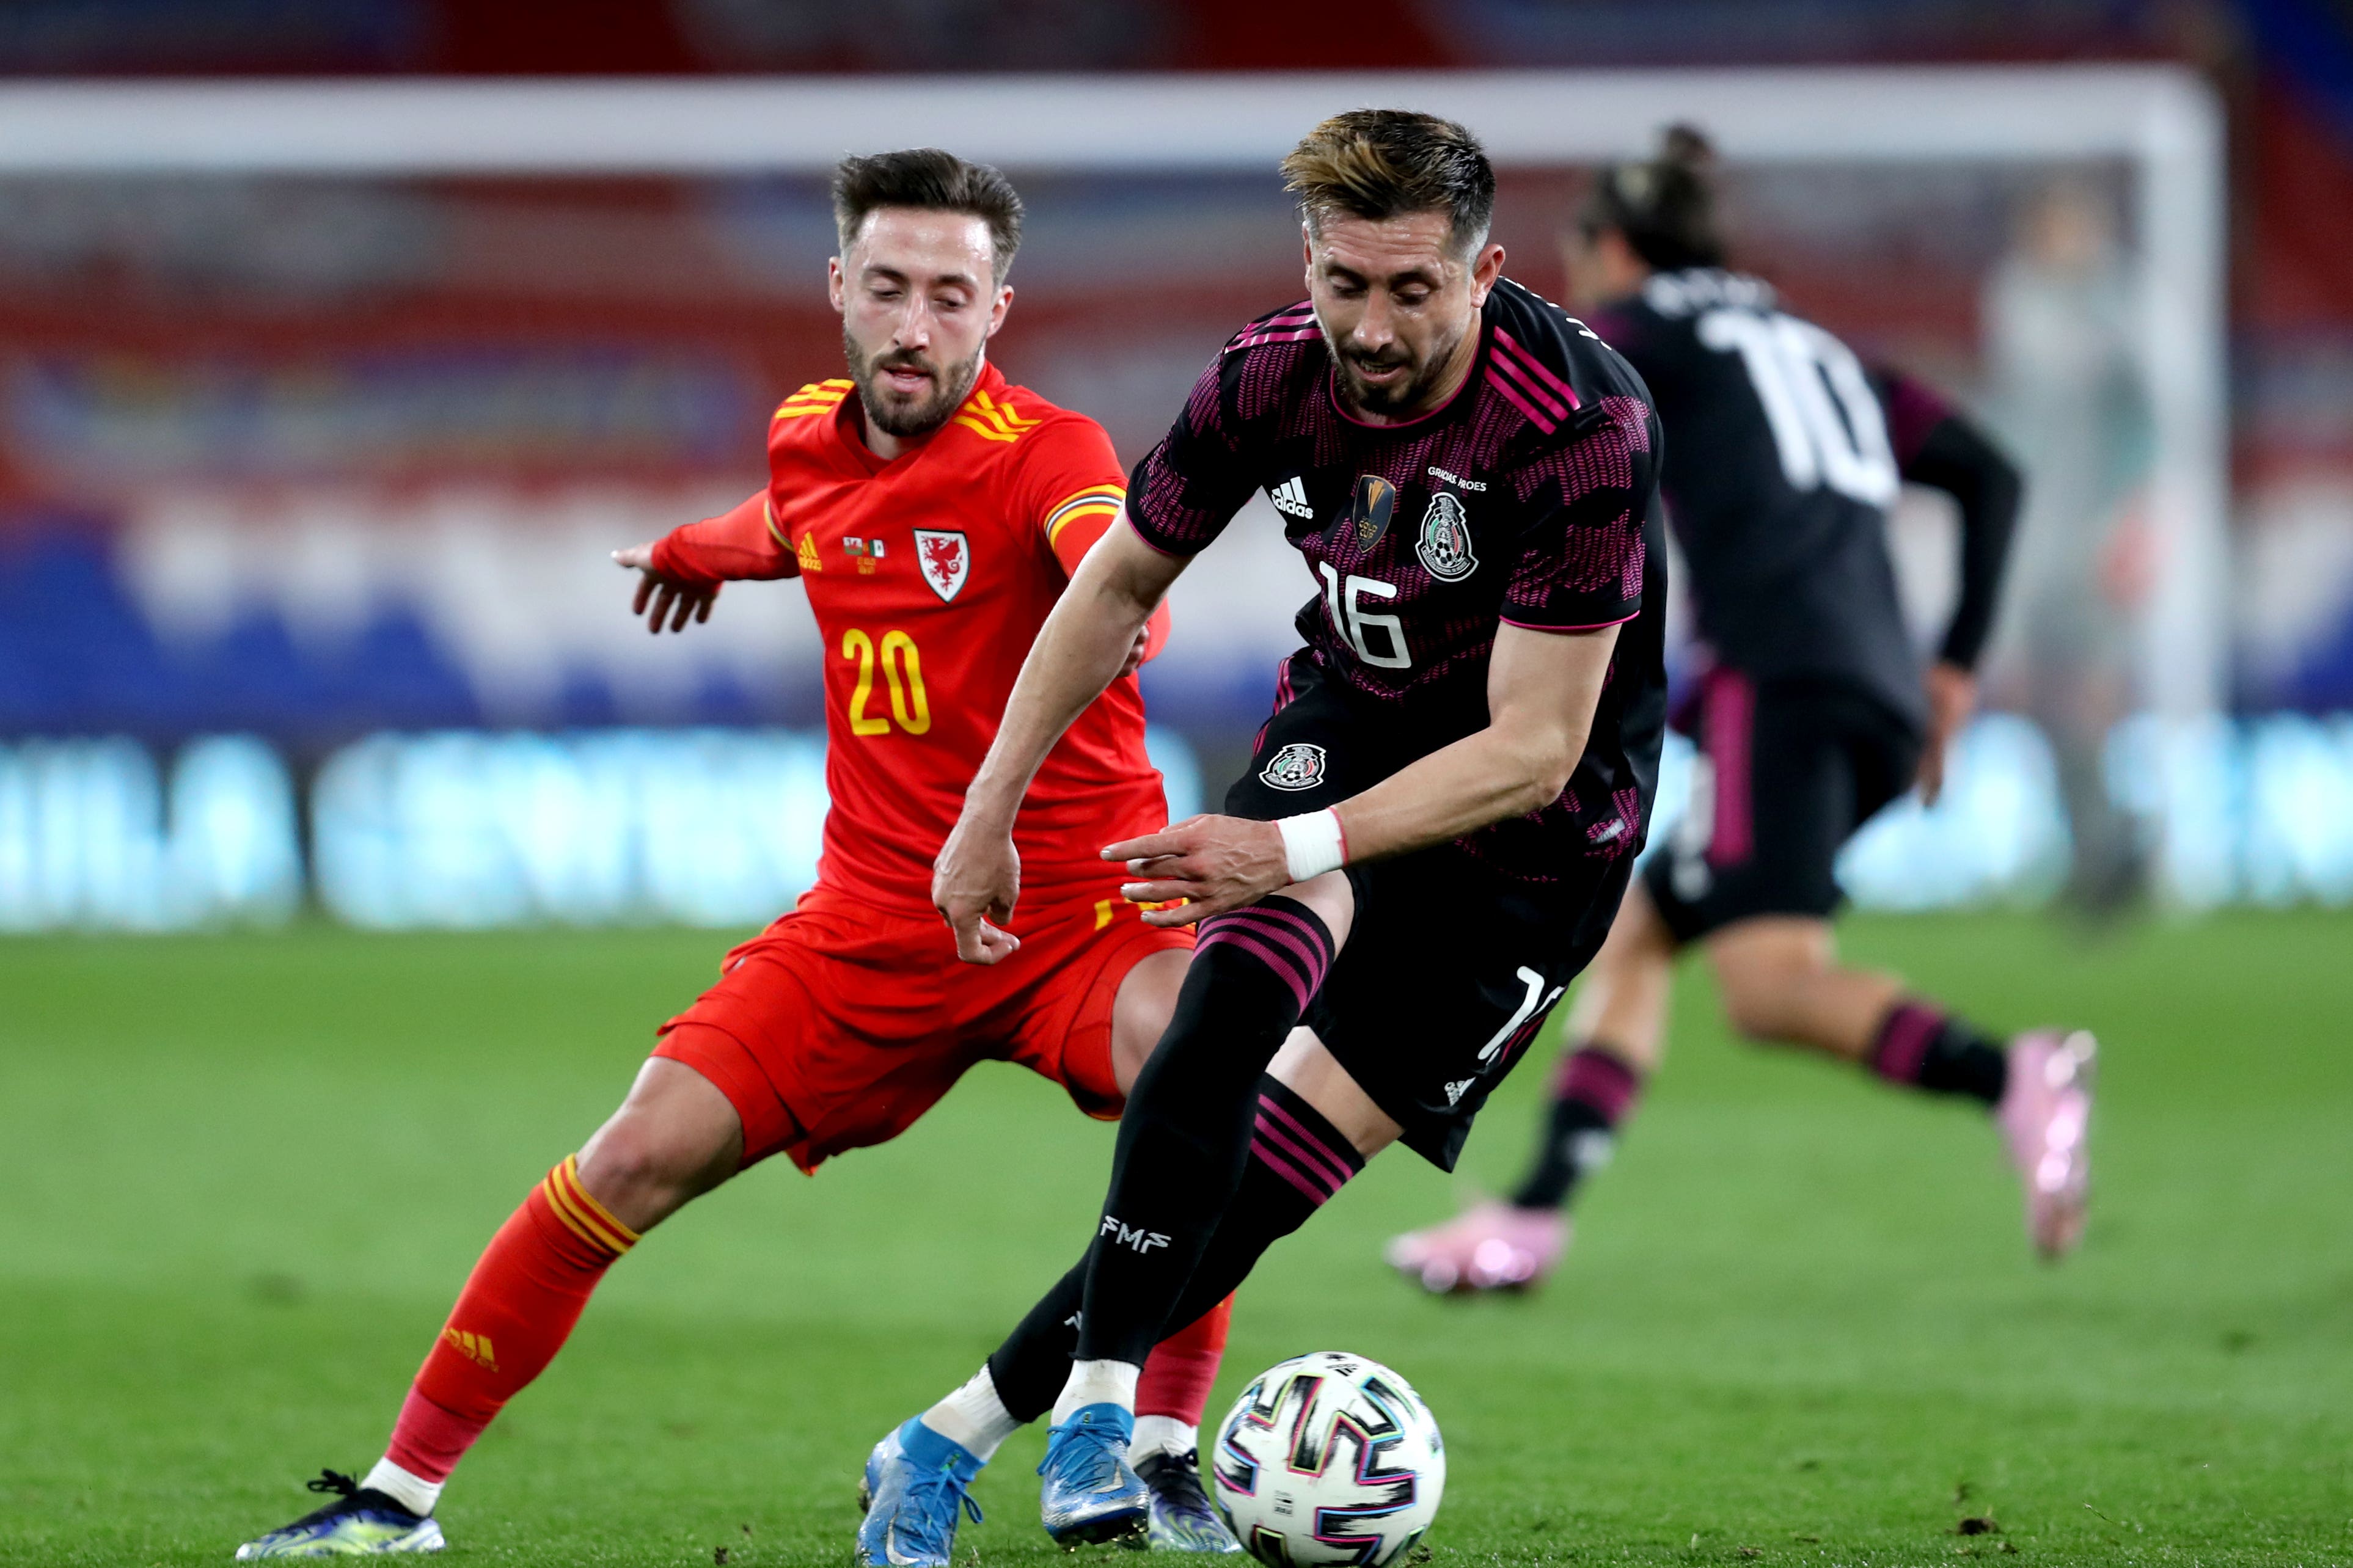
{"x": 1081, "y": 519}
{"x": 1313, "y": 844}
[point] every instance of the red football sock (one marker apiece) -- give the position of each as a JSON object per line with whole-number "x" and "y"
{"x": 514, "y": 1314}
{"x": 1182, "y": 1368}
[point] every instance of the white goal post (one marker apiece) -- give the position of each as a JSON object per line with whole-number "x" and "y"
{"x": 2163, "y": 122}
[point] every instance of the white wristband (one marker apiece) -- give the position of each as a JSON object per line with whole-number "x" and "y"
{"x": 1313, "y": 844}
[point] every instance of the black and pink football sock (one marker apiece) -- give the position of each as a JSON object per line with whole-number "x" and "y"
{"x": 1922, "y": 1048}
{"x": 1595, "y": 1092}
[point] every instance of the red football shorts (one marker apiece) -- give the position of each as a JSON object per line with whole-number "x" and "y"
{"x": 842, "y": 1023}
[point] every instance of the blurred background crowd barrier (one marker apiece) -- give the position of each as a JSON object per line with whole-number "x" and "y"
{"x": 313, "y": 441}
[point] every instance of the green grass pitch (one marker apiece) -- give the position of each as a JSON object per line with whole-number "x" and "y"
{"x": 241, "y": 1177}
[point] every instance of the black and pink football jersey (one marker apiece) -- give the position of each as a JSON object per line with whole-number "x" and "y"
{"x": 1788, "y": 451}
{"x": 1530, "y": 497}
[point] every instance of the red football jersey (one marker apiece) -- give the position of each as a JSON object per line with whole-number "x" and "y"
{"x": 930, "y": 576}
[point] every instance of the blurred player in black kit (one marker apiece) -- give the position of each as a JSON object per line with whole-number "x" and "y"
{"x": 1812, "y": 712}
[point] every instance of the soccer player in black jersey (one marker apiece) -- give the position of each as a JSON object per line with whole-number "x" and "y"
{"x": 1443, "y": 810}
{"x": 1813, "y": 712}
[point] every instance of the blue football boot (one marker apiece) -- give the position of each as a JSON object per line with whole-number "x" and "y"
{"x": 1090, "y": 1493}
{"x": 1182, "y": 1516}
{"x": 359, "y": 1521}
{"x": 914, "y": 1489}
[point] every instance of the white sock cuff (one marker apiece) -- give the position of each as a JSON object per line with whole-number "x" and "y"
{"x": 1098, "y": 1383}
{"x": 974, "y": 1417}
{"x": 415, "y": 1493}
{"x": 1162, "y": 1435}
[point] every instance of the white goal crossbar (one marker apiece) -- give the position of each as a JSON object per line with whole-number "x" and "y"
{"x": 2164, "y": 122}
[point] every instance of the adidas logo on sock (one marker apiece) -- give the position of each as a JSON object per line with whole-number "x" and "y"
{"x": 1290, "y": 497}
{"x": 475, "y": 1348}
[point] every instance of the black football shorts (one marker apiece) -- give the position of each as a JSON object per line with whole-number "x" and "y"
{"x": 1450, "y": 967}
{"x": 1788, "y": 771}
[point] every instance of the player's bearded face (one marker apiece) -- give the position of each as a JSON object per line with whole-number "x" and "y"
{"x": 918, "y": 297}
{"x": 907, "y": 392}
{"x": 1396, "y": 304}
{"x": 1396, "y": 379}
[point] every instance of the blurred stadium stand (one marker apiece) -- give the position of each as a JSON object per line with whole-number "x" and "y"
{"x": 317, "y": 460}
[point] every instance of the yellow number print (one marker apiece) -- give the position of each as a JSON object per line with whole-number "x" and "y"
{"x": 909, "y": 704}
{"x": 903, "y": 667}
{"x": 857, "y": 645}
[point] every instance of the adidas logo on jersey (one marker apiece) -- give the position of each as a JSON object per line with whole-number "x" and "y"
{"x": 1290, "y": 497}
{"x": 1454, "y": 1090}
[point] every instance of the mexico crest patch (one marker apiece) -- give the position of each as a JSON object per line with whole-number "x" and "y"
{"x": 1299, "y": 765}
{"x": 1444, "y": 543}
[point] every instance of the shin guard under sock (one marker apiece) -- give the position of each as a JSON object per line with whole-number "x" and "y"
{"x": 514, "y": 1314}
{"x": 1594, "y": 1093}
{"x": 1921, "y": 1047}
{"x": 1185, "y": 1136}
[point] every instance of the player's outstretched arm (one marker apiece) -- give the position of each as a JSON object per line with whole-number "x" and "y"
{"x": 679, "y": 574}
{"x": 1541, "y": 690}
{"x": 1080, "y": 649}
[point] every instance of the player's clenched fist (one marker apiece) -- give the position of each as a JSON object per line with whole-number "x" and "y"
{"x": 672, "y": 600}
{"x": 974, "y": 882}
{"x": 1213, "y": 863}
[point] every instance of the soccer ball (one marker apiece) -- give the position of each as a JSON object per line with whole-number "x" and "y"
{"x": 1328, "y": 1458}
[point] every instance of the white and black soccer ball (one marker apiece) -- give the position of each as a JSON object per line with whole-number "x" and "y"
{"x": 1328, "y": 1458}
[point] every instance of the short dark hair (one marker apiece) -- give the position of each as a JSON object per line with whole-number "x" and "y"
{"x": 1386, "y": 163}
{"x": 1665, "y": 207}
{"x": 931, "y": 181}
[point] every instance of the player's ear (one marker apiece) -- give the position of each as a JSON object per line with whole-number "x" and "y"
{"x": 1487, "y": 267}
{"x": 834, "y": 281}
{"x": 1307, "y": 254}
{"x": 1003, "y": 303}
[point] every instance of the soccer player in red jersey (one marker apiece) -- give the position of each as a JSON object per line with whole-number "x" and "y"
{"x": 933, "y": 519}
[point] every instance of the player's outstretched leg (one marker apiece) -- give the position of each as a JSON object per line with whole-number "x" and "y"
{"x": 675, "y": 1136}
{"x": 1184, "y": 1145}
{"x": 1296, "y": 1161}
{"x": 1781, "y": 981}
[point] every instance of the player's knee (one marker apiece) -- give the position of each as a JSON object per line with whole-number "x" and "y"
{"x": 1758, "y": 1019}
{"x": 1759, "y": 998}
{"x": 1765, "y": 972}
{"x": 643, "y": 1167}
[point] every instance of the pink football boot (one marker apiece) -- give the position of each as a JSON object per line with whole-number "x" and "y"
{"x": 1491, "y": 1247}
{"x": 2045, "y": 1115}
